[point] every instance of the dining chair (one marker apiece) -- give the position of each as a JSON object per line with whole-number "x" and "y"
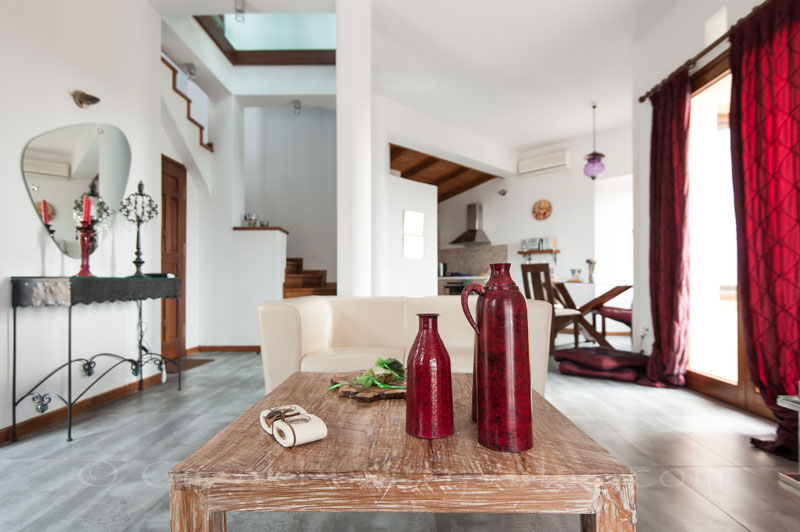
{"x": 537, "y": 285}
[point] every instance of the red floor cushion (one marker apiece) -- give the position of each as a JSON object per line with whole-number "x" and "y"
{"x": 623, "y": 315}
{"x": 620, "y": 374}
{"x": 601, "y": 358}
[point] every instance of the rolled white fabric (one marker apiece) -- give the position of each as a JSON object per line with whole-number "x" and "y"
{"x": 290, "y": 409}
{"x": 298, "y": 430}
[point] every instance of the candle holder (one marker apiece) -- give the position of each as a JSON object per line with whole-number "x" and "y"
{"x": 87, "y": 241}
{"x": 139, "y": 208}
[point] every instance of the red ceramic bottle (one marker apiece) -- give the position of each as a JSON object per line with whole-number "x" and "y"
{"x": 429, "y": 389}
{"x": 502, "y": 369}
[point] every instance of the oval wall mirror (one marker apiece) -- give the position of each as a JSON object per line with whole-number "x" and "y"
{"x": 62, "y": 166}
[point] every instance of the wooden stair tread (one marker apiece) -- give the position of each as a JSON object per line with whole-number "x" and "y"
{"x": 306, "y": 279}
{"x": 299, "y": 282}
{"x": 294, "y": 265}
{"x": 328, "y": 290}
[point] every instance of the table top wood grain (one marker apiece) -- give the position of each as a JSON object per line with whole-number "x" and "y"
{"x": 369, "y": 463}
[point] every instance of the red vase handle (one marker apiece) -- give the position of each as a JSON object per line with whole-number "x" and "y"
{"x": 471, "y": 287}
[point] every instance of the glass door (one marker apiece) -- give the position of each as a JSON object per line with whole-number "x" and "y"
{"x": 713, "y": 313}
{"x": 717, "y": 364}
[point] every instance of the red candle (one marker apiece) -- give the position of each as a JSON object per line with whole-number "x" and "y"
{"x": 45, "y": 214}
{"x": 87, "y": 210}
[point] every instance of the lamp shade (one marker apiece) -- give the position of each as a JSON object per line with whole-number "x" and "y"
{"x": 594, "y": 165}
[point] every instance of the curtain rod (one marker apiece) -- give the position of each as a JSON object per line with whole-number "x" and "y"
{"x": 693, "y": 60}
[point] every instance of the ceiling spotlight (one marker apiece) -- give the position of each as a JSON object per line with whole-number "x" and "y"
{"x": 190, "y": 69}
{"x": 502, "y": 192}
{"x": 238, "y": 6}
{"x": 297, "y": 106}
{"x": 84, "y": 99}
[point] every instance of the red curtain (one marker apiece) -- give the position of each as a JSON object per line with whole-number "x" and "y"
{"x": 765, "y": 146}
{"x": 669, "y": 232}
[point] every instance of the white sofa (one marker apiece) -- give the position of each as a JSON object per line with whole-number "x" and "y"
{"x": 340, "y": 334}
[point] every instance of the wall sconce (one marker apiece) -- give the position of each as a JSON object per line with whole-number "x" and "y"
{"x": 413, "y": 235}
{"x": 190, "y": 69}
{"x": 84, "y": 99}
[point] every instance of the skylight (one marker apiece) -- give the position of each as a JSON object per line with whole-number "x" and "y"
{"x": 282, "y": 31}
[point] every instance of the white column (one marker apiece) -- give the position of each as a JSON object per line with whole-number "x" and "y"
{"x": 353, "y": 147}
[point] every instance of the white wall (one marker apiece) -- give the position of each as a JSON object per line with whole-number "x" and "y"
{"x": 678, "y": 36}
{"x": 613, "y": 240}
{"x": 508, "y": 219}
{"x": 290, "y": 178}
{"x": 411, "y": 277}
{"x": 61, "y": 53}
{"x": 396, "y": 123}
{"x": 354, "y": 205}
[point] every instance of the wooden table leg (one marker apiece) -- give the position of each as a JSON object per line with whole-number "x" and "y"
{"x": 189, "y": 512}
{"x": 617, "y": 510}
{"x": 588, "y": 523}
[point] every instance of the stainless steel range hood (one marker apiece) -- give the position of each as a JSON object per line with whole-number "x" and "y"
{"x": 474, "y": 234}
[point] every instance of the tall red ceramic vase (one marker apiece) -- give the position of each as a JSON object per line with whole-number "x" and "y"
{"x": 502, "y": 378}
{"x": 429, "y": 388}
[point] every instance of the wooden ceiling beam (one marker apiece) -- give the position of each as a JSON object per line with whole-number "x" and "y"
{"x": 395, "y": 152}
{"x": 451, "y": 175}
{"x": 420, "y": 166}
{"x": 481, "y": 179}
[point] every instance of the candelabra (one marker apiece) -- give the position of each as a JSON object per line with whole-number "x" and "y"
{"x": 139, "y": 208}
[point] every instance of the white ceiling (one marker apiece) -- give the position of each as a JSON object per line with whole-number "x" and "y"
{"x": 520, "y": 72}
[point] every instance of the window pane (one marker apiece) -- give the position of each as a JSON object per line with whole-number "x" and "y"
{"x": 413, "y": 223}
{"x": 282, "y": 31}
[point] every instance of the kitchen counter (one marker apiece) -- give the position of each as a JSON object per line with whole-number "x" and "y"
{"x": 462, "y": 277}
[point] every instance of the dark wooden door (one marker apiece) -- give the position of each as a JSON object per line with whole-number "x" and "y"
{"x": 173, "y": 253}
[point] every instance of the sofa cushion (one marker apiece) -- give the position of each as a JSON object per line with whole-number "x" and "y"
{"x": 365, "y": 322}
{"x": 620, "y": 374}
{"x": 343, "y": 359}
{"x": 454, "y": 329}
{"x": 623, "y": 315}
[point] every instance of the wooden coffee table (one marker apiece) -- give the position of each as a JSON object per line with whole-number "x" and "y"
{"x": 369, "y": 464}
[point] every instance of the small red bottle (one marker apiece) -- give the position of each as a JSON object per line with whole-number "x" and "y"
{"x": 429, "y": 388}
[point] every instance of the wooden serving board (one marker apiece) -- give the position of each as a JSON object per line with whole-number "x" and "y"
{"x": 365, "y": 395}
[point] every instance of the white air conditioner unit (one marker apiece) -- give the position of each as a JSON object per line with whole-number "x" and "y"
{"x": 545, "y": 163}
{"x": 42, "y": 167}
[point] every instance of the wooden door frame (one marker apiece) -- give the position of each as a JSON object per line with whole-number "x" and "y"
{"x": 182, "y": 340}
{"x": 744, "y": 393}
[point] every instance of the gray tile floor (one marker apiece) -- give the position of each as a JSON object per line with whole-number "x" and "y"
{"x": 696, "y": 469}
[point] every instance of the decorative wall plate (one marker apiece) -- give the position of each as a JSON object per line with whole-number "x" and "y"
{"x": 542, "y": 209}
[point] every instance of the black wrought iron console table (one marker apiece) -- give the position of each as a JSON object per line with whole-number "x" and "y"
{"x": 71, "y": 291}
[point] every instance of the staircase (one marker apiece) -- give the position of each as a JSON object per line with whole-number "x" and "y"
{"x": 299, "y": 282}
{"x": 207, "y": 145}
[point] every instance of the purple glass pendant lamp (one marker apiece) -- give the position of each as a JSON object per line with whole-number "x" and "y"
{"x": 429, "y": 388}
{"x": 594, "y": 161}
{"x": 502, "y": 377}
